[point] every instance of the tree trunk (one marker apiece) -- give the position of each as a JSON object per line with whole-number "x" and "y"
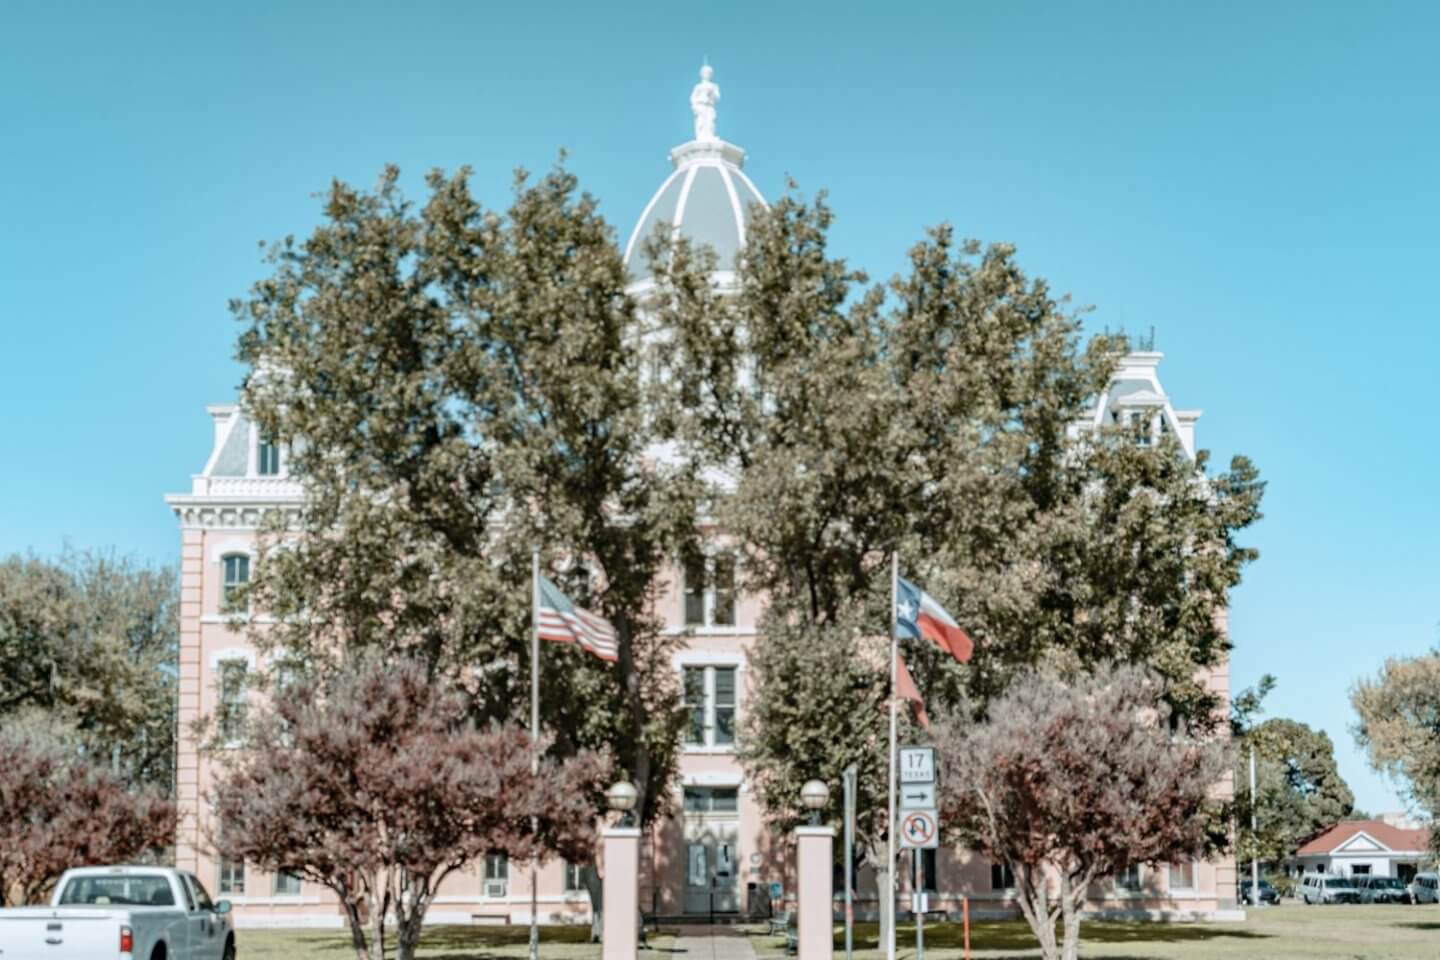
{"x": 379, "y": 907}
{"x": 595, "y": 887}
{"x": 1070, "y": 903}
{"x": 357, "y": 926}
{"x": 887, "y": 903}
{"x": 1035, "y": 905}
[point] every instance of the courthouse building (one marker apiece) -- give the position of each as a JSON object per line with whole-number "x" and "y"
{"x": 715, "y": 854}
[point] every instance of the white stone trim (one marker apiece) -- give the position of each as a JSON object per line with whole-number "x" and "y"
{"x": 684, "y": 197}
{"x": 735, "y": 209}
{"x": 645, "y": 215}
{"x": 228, "y": 654}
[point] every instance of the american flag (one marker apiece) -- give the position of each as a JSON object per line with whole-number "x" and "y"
{"x": 560, "y": 620}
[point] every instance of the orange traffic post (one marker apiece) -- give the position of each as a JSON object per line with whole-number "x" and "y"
{"x": 965, "y": 913}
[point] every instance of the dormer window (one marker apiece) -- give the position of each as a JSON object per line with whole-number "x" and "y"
{"x": 267, "y": 457}
{"x": 235, "y": 574}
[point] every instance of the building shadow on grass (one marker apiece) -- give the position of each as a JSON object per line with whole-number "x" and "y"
{"x": 1016, "y": 935}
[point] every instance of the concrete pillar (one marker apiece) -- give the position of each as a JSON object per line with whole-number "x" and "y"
{"x": 620, "y": 920}
{"x": 814, "y": 896}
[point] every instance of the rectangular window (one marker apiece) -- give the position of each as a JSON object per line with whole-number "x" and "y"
{"x": 235, "y": 574}
{"x": 286, "y": 885}
{"x": 1001, "y": 877}
{"x": 230, "y": 717}
{"x": 1182, "y": 876}
{"x": 712, "y": 799}
{"x": 231, "y": 877}
{"x": 724, "y": 706}
{"x": 573, "y": 882}
{"x": 929, "y": 871}
{"x": 695, "y": 705}
{"x": 497, "y": 875}
{"x": 723, "y": 590}
{"x": 267, "y": 457}
{"x": 695, "y": 593}
{"x": 1128, "y": 880}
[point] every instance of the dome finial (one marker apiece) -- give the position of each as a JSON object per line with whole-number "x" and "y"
{"x": 702, "y": 103}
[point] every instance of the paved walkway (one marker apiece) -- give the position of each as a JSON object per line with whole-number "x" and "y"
{"x": 714, "y": 944}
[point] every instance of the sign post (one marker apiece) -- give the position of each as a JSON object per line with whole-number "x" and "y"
{"x": 919, "y": 826}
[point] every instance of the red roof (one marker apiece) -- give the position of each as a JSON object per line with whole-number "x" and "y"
{"x": 1335, "y": 837}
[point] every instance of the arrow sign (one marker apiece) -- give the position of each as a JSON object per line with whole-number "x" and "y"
{"x": 917, "y": 796}
{"x": 919, "y": 830}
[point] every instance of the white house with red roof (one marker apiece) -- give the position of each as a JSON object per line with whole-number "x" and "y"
{"x": 1360, "y": 847}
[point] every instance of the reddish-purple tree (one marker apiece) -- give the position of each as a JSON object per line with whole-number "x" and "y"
{"x": 58, "y": 810}
{"x": 378, "y": 787}
{"x": 1069, "y": 782}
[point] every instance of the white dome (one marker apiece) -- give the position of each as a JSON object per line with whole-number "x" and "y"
{"x": 707, "y": 199}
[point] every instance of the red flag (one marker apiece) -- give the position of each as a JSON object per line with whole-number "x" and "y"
{"x": 905, "y": 687}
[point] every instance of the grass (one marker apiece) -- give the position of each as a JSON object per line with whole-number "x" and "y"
{"x": 1289, "y": 932}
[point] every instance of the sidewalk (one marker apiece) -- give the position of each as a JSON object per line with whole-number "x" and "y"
{"x": 714, "y": 944}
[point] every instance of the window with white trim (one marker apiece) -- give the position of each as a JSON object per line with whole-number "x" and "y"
{"x": 573, "y": 881}
{"x": 233, "y": 681}
{"x": 287, "y": 885}
{"x": 710, "y": 591}
{"x": 231, "y": 876}
{"x": 234, "y": 576}
{"x": 497, "y": 875}
{"x": 710, "y": 700}
{"x": 1128, "y": 880}
{"x": 267, "y": 457}
{"x": 1182, "y": 876}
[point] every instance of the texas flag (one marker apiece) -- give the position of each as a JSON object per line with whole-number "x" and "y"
{"x": 905, "y": 688}
{"x": 918, "y": 615}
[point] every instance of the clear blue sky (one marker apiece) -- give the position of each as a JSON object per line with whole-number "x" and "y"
{"x": 1257, "y": 181}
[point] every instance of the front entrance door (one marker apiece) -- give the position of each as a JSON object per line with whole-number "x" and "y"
{"x": 712, "y": 872}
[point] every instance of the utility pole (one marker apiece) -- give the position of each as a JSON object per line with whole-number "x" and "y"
{"x": 851, "y": 774}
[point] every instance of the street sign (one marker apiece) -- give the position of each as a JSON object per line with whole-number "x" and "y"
{"x": 919, "y": 830}
{"x": 917, "y": 796}
{"x": 917, "y": 764}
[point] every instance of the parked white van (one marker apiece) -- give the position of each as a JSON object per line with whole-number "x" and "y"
{"x": 1425, "y": 888}
{"x": 1327, "y": 888}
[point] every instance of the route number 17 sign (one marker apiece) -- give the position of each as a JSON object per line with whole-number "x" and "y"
{"x": 917, "y": 764}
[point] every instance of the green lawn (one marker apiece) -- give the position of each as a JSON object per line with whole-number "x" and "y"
{"x": 1276, "y": 933}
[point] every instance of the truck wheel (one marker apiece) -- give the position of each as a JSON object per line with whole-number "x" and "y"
{"x": 229, "y": 950}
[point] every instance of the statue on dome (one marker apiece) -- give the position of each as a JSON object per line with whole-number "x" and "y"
{"x": 702, "y": 103}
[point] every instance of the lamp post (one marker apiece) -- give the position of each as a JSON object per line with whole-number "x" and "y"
{"x": 814, "y": 886}
{"x": 621, "y": 798}
{"x": 815, "y": 795}
{"x": 620, "y": 899}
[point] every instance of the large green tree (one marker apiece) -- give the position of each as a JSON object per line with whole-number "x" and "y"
{"x": 460, "y": 386}
{"x": 88, "y": 651}
{"x": 1398, "y": 726}
{"x": 1298, "y": 787}
{"x": 934, "y": 417}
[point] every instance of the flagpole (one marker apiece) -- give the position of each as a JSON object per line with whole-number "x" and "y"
{"x": 534, "y": 741}
{"x": 894, "y": 724}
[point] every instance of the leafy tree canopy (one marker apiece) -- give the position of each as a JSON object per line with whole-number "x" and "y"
{"x": 88, "y": 651}
{"x": 1069, "y": 782}
{"x": 460, "y": 386}
{"x": 1399, "y": 727}
{"x": 377, "y": 785}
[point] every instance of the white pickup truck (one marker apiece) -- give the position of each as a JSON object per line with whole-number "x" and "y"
{"x": 121, "y": 913}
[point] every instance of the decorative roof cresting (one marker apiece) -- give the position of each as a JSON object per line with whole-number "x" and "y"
{"x": 702, "y": 103}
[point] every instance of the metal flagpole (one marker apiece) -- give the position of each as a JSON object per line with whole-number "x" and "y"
{"x": 534, "y": 741}
{"x": 894, "y": 726}
{"x": 851, "y": 773}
